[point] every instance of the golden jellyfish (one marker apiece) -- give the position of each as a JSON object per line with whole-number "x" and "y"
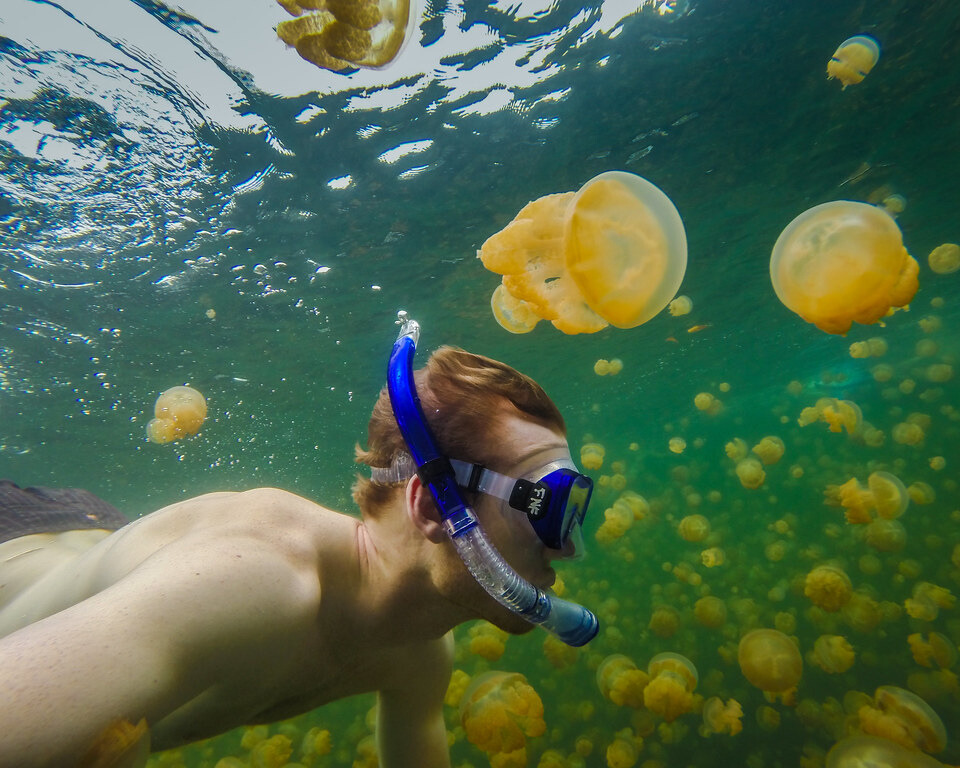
{"x": 939, "y": 373}
{"x": 927, "y": 599}
{"x": 694, "y": 528}
{"x": 886, "y": 535}
{"x": 833, "y": 654}
{"x": 487, "y": 641}
{"x": 921, "y": 493}
{"x": 713, "y": 557}
{"x": 341, "y": 35}
{"x": 612, "y": 253}
{"x": 936, "y": 650}
{"x": 623, "y": 752}
{"x": 179, "y": 411}
{"x": 828, "y": 587}
{"x": 903, "y": 717}
{"x": 888, "y": 495}
{"x": 769, "y": 450}
{"x": 681, "y": 306}
{"x": 498, "y": 711}
{"x": 736, "y": 449}
{"x": 616, "y": 365}
{"x": 621, "y": 682}
{"x": 120, "y": 743}
{"x": 721, "y": 718}
{"x": 704, "y": 401}
{"x": 677, "y": 445}
{"x": 770, "y": 660}
{"x": 664, "y": 621}
{"x": 751, "y": 473}
{"x": 673, "y": 679}
{"x": 842, "y": 262}
{"x": 710, "y": 612}
{"x": 862, "y": 750}
{"x": 937, "y": 463}
{"x": 591, "y": 455}
{"x": 853, "y": 60}
{"x": 894, "y": 204}
{"x": 945, "y": 258}
{"x": 907, "y": 433}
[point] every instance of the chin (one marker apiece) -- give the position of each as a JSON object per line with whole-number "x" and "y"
{"x": 508, "y": 621}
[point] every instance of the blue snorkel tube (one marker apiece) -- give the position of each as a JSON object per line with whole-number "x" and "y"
{"x": 572, "y": 623}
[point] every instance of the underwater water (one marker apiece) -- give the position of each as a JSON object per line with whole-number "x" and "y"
{"x": 183, "y": 200}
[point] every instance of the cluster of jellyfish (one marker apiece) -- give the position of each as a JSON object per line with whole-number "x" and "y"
{"x": 775, "y": 579}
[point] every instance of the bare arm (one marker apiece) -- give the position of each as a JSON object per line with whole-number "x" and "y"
{"x": 410, "y": 728}
{"x": 188, "y": 618}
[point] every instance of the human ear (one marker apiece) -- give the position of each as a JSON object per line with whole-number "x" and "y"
{"x": 423, "y": 511}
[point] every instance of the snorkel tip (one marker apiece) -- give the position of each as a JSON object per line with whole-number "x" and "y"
{"x": 408, "y": 327}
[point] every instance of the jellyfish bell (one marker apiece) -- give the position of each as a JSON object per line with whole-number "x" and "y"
{"x": 498, "y": 710}
{"x": 770, "y": 660}
{"x": 842, "y": 262}
{"x": 861, "y": 750}
{"x": 945, "y": 259}
{"x": 903, "y": 717}
{"x": 626, "y": 247}
{"x": 179, "y": 411}
{"x": 853, "y": 60}
{"x": 888, "y": 494}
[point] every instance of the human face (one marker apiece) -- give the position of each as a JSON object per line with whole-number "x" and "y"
{"x": 523, "y": 447}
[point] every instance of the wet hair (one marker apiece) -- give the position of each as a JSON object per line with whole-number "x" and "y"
{"x": 464, "y": 397}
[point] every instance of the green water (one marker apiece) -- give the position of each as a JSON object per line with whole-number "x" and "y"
{"x": 112, "y": 258}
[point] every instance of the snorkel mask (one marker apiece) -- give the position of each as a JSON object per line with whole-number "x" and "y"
{"x": 558, "y": 500}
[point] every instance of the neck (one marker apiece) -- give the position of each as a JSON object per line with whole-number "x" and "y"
{"x": 400, "y": 592}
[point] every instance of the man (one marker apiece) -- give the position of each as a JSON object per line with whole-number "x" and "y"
{"x": 237, "y": 608}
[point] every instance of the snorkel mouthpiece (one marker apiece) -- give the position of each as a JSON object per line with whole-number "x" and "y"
{"x": 571, "y": 623}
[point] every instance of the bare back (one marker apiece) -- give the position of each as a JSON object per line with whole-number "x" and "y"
{"x": 225, "y": 609}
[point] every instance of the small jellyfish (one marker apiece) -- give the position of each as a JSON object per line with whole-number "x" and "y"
{"x": 842, "y": 262}
{"x": 894, "y": 204}
{"x": 945, "y": 258}
{"x": 713, "y": 557}
{"x": 591, "y": 455}
{"x": 888, "y": 495}
{"x": 664, "y": 621}
{"x": 736, "y": 449}
{"x": 677, "y": 445}
{"x": 937, "y": 650}
{"x": 704, "y": 401}
{"x": 769, "y": 450}
{"x": 681, "y": 306}
{"x": 886, "y": 535}
{"x": 498, "y": 711}
{"x": 669, "y": 693}
{"x": 179, "y": 412}
{"x": 903, "y": 717}
{"x": 828, "y": 587}
{"x": 487, "y": 641}
{"x": 721, "y": 718}
{"x": 853, "y": 60}
{"x": 616, "y": 365}
{"x": 622, "y": 752}
{"x": 770, "y": 660}
{"x": 601, "y": 367}
{"x": 347, "y": 34}
{"x": 710, "y": 612}
{"x": 694, "y": 528}
{"x": 751, "y": 473}
{"x": 833, "y": 654}
{"x": 621, "y": 682}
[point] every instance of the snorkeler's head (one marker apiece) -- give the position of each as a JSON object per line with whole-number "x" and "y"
{"x": 466, "y": 399}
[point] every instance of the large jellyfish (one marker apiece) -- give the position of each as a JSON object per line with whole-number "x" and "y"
{"x": 903, "y": 717}
{"x": 345, "y": 34}
{"x": 612, "y": 253}
{"x": 842, "y": 262}
{"x": 179, "y": 412}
